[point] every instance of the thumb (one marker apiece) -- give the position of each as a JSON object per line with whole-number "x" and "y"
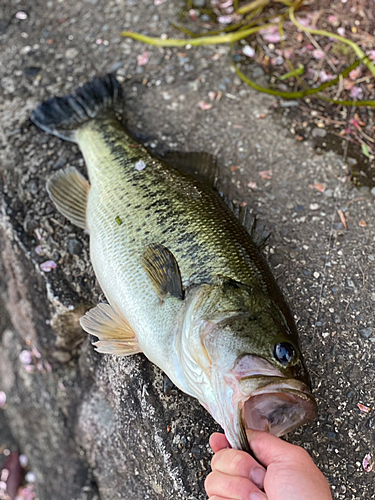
{"x": 268, "y": 448}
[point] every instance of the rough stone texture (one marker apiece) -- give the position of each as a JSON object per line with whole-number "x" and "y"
{"x": 98, "y": 427}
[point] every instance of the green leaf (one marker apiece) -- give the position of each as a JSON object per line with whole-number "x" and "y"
{"x": 365, "y": 150}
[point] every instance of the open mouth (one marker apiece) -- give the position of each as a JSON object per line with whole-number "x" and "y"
{"x": 275, "y": 404}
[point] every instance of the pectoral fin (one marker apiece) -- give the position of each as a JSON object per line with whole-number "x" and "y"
{"x": 68, "y": 190}
{"x": 163, "y": 271}
{"x": 113, "y": 331}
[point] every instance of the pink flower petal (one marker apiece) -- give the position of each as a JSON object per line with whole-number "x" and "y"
{"x": 142, "y": 59}
{"x": 39, "y": 250}
{"x": 225, "y": 19}
{"x": 193, "y": 14}
{"x": 266, "y": 174}
{"x": 269, "y": 29}
{"x": 48, "y": 265}
{"x": 318, "y": 54}
{"x": 3, "y": 398}
{"x": 226, "y": 4}
{"x": 319, "y": 187}
{"x": 248, "y": 51}
{"x": 252, "y": 185}
{"x": 348, "y": 84}
{"x": 325, "y": 77}
{"x": 47, "y": 366}
{"x": 272, "y": 37}
{"x": 35, "y": 352}
{"x": 355, "y": 73}
{"x": 21, "y": 15}
{"x": 368, "y": 462}
{"x": 304, "y": 22}
{"x": 372, "y": 55}
{"x": 288, "y": 53}
{"x": 363, "y": 408}
{"x": 356, "y": 92}
{"x": 204, "y": 106}
{"x": 25, "y": 357}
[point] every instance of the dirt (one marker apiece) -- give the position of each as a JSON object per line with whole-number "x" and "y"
{"x": 321, "y": 250}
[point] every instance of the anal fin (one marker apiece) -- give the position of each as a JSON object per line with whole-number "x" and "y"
{"x": 68, "y": 190}
{"x": 113, "y": 331}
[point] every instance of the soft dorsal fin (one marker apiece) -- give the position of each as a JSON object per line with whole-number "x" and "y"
{"x": 258, "y": 232}
{"x": 68, "y": 190}
{"x": 200, "y": 165}
{"x": 163, "y": 271}
{"x": 113, "y": 331}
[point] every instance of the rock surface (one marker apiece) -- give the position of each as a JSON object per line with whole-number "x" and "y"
{"x": 99, "y": 427}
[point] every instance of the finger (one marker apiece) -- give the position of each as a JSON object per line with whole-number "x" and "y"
{"x": 218, "y": 441}
{"x": 270, "y": 449}
{"x": 233, "y": 487}
{"x": 239, "y": 463}
{"x": 215, "y": 497}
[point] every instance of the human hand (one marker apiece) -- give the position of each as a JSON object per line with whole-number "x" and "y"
{"x": 288, "y": 473}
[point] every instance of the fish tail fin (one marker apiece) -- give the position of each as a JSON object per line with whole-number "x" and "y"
{"x": 62, "y": 116}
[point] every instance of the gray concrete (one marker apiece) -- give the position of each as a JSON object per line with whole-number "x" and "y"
{"x": 100, "y": 427}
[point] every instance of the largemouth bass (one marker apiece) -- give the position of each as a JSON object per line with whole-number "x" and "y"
{"x": 185, "y": 282}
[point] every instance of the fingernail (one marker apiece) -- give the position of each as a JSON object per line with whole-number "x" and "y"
{"x": 257, "y": 495}
{"x": 257, "y": 476}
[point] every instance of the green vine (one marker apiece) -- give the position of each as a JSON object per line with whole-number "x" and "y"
{"x": 247, "y": 27}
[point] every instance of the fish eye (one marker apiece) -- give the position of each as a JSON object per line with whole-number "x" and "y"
{"x": 284, "y": 352}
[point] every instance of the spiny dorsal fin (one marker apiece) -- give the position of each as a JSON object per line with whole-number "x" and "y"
{"x": 68, "y": 190}
{"x": 113, "y": 331}
{"x": 163, "y": 271}
{"x": 200, "y": 165}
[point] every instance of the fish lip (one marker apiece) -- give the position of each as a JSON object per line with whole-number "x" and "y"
{"x": 274, "y": 391}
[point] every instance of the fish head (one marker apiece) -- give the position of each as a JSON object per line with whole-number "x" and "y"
{"x": 257, "y": 376}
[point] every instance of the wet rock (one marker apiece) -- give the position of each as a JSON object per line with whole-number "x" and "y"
{"x": 31, "y": 71}
{"x": 318, "y": 132}
{"x": 74, "y": 247}
{"x": 366, "y": 332}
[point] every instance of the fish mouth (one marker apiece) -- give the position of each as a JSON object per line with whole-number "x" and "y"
{"x": 274, "y": 404}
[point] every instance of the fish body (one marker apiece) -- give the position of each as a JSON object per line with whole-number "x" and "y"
{"x": 185, "y": 282}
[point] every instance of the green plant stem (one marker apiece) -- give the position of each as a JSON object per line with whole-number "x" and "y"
{"x": 307, "y": 92}
{"x": 252, "y": 6}
{"x": 205, "y": 40}
{"x": 360, "y": 54}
